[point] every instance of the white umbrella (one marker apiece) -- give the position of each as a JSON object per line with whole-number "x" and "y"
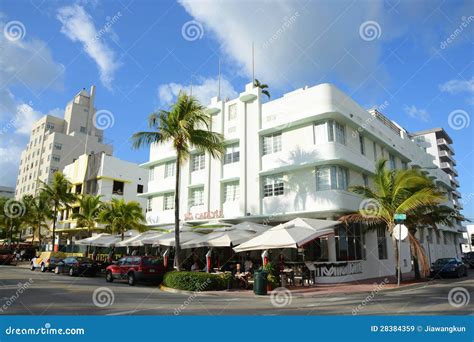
{"x": 252, "y": 226}
{"x": 292, "y": 234}
{"x": 221, "y": 239}
{"x": 138, "y": 240}
{"x": 88, "y": 241}
{"x": 168, "y": 238}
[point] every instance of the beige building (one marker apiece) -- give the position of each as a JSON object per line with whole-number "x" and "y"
{"x": 55, "y": 143}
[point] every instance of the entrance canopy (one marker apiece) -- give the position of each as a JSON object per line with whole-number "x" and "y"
{"x": 292, "y": 234}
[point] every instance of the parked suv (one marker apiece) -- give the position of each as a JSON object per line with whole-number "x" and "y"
{"x": 136, "y": 269}
{"x": 47, "y": 261}
{"x": 6, "y": 256}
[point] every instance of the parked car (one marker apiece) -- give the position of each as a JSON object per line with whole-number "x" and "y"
{"x": 136, "y": 269}
{"x": 469, "y": 259}
{"x": 77, "y": 266}
{"x": 47, "y": 261}
{"x": 448, "y": 267}
{"x": 6, "y": 256}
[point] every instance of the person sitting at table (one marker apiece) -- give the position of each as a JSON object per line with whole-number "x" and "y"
{"x": 248, "y": 265}
{"x": 195, "y": 267}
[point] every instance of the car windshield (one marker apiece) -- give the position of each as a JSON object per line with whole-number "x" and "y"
{"x": 81, "y": 259}
{"x": 445, "y": 261}
{"x": 150, "y": 261}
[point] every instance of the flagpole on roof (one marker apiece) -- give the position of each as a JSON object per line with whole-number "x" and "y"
{"x": 253, "y": 64}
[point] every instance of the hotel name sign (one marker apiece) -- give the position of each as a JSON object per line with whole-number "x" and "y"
{"x": 337, "y": 270}
{"x": 206, "y": 215}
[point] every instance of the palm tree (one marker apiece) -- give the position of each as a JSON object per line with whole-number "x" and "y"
{"x": 395, "y": 191}
{"x": 263, "y": 87}
{"x": 59, "y": 195}
{"x": 38, "y": 213}
{"x": 89, "y": 209}
{"x": 120, "y": 216}
{"x": 186, "y": 126}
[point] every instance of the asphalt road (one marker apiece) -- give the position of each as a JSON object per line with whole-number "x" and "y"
{"x": 50, "y": 294}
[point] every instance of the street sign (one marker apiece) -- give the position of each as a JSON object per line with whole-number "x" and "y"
{"x": 400, "y": 217}
{"x": 400, "y": 231}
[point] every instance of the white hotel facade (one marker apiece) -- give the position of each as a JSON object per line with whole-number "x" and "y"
{"x": 295, "y": 156}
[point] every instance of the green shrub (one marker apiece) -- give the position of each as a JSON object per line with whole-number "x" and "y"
{"x": 196, "y": 281}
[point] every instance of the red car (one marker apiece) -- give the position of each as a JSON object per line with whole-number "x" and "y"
{"x": 136, "y": 269}
{"x": 6, "y": 257}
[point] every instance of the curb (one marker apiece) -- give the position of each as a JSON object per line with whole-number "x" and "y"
{"x": 184, "y": 292}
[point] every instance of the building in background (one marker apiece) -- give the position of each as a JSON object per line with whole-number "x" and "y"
{"x": 468, "y": 246}
{"x": 6, "y": 191}
{"x": 296, "y": 156}
{"x": 104, "y": 175}
{"x": 57, "y": 142}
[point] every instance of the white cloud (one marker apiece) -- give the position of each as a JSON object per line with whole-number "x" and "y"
{"x": 78, "y": 26}
{"x": 459, "y": 86}
{"x": 294, "y": 43}
{"x": 26, "y": 116}
{"x": 204, "y": 90}
{"x": 414, "y": 112}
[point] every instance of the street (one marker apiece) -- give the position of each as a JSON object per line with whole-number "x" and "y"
{"x": 51, "y": 294}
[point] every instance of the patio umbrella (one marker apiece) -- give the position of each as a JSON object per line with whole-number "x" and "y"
{"x": 252, "y": 226}
{"x": 221, "y": 239}
{"x": 168, "y": 238}
{"x": 88, "y": 241}
{"x": 292, "y": 234}
{"x": 138, "y": 240}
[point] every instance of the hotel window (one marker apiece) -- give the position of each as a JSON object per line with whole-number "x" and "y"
{"x": 56, "y": 158}
{"x": 365, "y": 178}
{"x": 382, "y": 243}
{"x": 232, "y": 154}
{"x": 404, "y": 165}
{"x": 438, "y": 237}
{"x": 393, "y": 165}
{"x": 445, "y": 238}
{"x": 49, "y": 126}
{"x": 152, "y": 174}
{"x": 140, "y": 188}
{"x": 168, "y": 201}
{"x": 197, "y": 197}
{"x": 58, "y": 146}
{"x": 317, "y": 250}
{"x": 273, "y": 186}
{"x": 362, "y": 144}
{"x": 231, "y": 192}
{"x": 149, "y": 204}
{"x": 336, "y": 132}
{"x": 331, "y": 178}
{"x": 272, "y": 143}
{"x": 232, "y": 112}
{"x": 197, "y": 162}
{"x": 375, "y": 151}
{"x": 349, "y": 243}
{"x": 170, "y": 169}
{"x": 83, "y": 129}
{"x": 117, "y": 188}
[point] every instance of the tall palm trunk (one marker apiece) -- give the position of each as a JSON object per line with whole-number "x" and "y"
{"x": 176, "y": 215}
{"x": 39, "y": 235}
{"x": 55, "y": 213}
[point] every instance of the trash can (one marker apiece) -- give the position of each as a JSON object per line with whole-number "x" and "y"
{"x": 260, "y": 283}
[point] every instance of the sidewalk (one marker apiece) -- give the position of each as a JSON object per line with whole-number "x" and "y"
{"x": 365, "y": 286}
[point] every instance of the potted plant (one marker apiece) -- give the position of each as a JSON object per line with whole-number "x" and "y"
{"x": 273, "y": 277}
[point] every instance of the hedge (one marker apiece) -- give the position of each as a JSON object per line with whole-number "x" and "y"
{"x": 196, "y": 281}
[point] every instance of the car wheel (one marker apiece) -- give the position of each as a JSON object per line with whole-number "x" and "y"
{"x": 131, "y": 279}
{"x": 71, "y": 272}
{"x": 108, "y": 277}
{"x": 43, "y": 268}
{"x": 459, "y": 273}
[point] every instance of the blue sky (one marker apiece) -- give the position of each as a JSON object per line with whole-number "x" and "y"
{"x": 413, "y": 57}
